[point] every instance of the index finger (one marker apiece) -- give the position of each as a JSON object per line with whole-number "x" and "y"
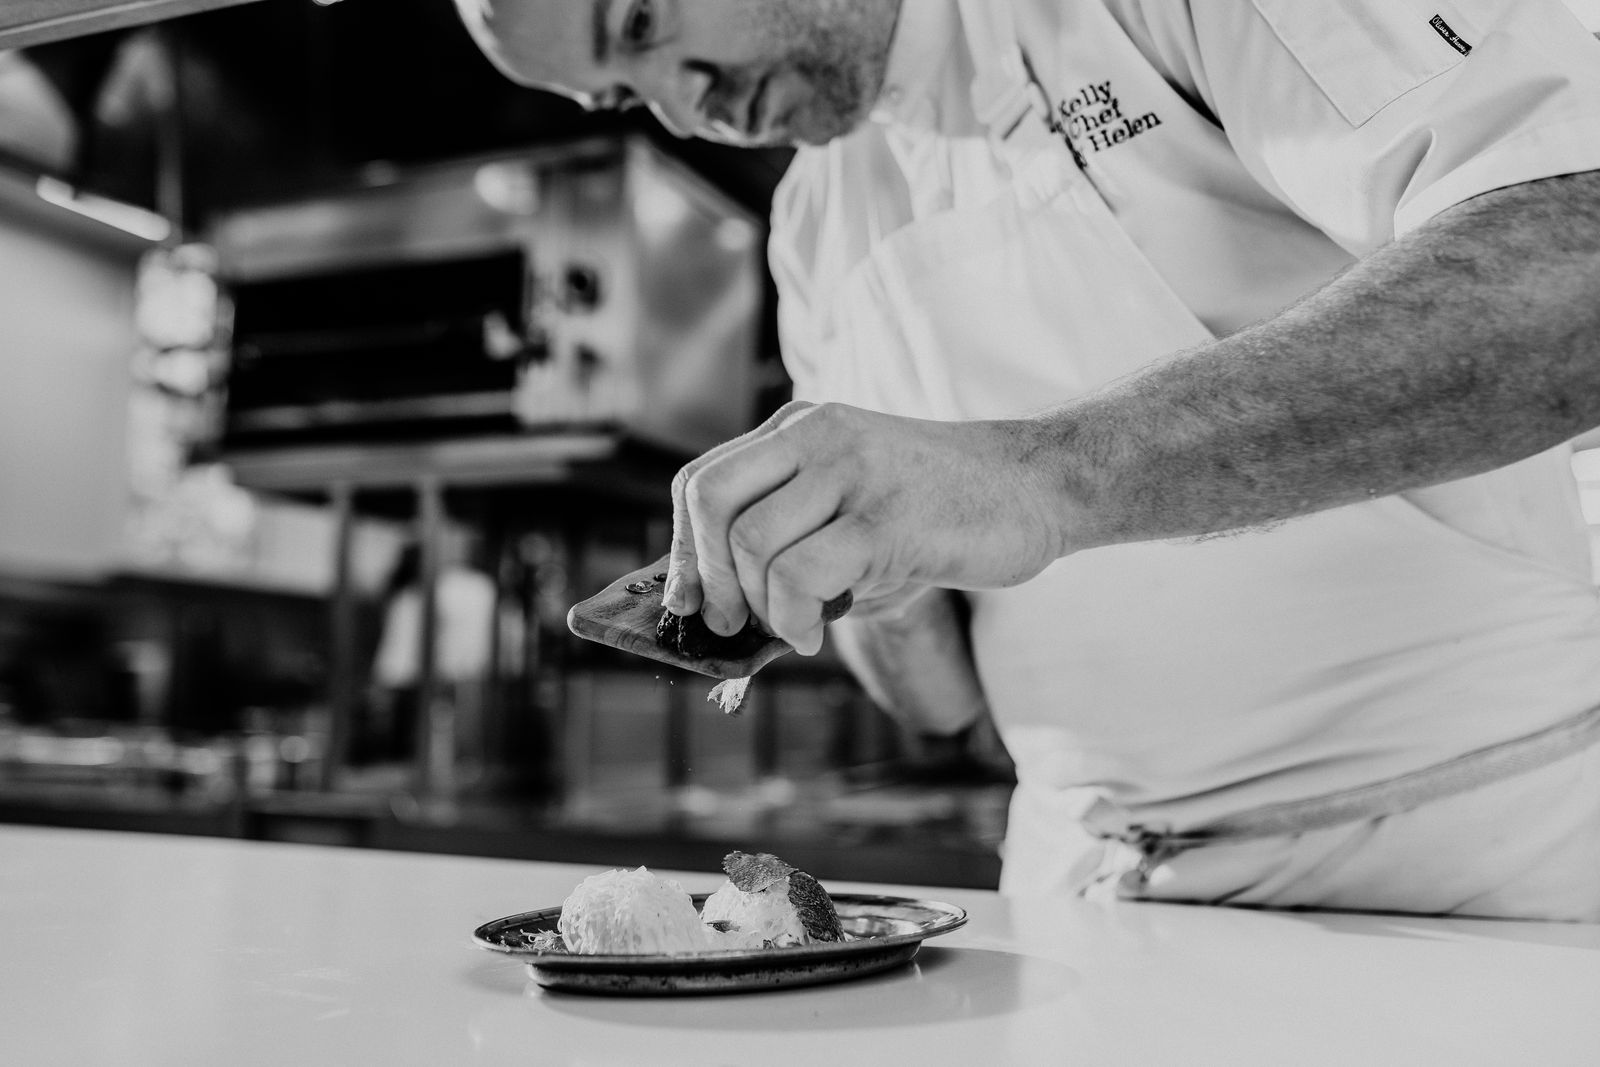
{"x": 700, "y": 557}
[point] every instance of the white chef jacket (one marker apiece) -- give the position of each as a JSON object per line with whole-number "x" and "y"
{"x": 1341, "y": 124}
{"x": 1334, "y": 127}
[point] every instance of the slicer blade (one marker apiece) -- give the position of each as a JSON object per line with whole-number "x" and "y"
{"x": 627, "y": 614}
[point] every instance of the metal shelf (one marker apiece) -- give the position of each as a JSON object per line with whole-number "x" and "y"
{"x": 500, "y": 461}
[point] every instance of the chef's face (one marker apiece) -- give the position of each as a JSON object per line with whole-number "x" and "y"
{"x": 745, "y": 72}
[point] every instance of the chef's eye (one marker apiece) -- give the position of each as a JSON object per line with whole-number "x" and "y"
{"x": 639, "y": 25}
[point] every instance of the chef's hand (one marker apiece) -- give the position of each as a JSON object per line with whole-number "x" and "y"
{"x": 826, "y": 498}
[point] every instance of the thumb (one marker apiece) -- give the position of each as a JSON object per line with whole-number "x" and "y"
{"x": 683, "y": 594}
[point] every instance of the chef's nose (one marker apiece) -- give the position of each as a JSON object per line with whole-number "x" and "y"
{"x": 681, "y": 97}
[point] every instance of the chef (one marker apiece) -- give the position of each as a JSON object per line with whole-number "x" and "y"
{"x": 1186, "y": 384}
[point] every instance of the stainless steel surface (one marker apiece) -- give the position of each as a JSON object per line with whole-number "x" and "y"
{"x": 884, "y": 932}
{"x": 542, "y": 459}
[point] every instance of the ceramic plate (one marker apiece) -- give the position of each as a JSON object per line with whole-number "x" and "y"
{"x": 883, "y": 932}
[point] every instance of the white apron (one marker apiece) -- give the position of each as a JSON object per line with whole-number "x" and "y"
{"x": 1184, "y": 682}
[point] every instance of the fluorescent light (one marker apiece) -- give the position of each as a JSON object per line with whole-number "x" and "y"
{"x": 126, "y": 217}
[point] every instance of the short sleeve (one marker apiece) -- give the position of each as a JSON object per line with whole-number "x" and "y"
{"x": 1369, "y": 117}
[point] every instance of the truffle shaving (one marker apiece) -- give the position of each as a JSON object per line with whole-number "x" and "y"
{"x": 754, "y": 872}
{"x": 815, "y": 908}
{"x": 762, "y": 871}
{"x": 728, "y": 694}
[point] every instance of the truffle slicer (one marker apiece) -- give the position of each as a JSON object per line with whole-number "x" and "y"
{"x": 627, "y": 614}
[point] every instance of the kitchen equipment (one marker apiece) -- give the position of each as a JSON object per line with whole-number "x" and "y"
{"x": 593, "y": 286}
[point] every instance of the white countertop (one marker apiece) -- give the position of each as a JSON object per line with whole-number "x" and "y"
{"x": 152, "y": 950}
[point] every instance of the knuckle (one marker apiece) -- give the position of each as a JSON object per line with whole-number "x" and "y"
{"x": 791, "y": 570}
{"x": 695, "y": 469}
{"x": 746, "y": 535}
{"x": 785, "y": 417}
{"x": 680, "y": 481}
{"x": 700, "y": 491}
{"x": 793, "y": 408}
{"x": 836, "y": 415}
{"x": 829, "y": 414}
{"x": 853, "y": 530}
{"x": 835, "y": 431}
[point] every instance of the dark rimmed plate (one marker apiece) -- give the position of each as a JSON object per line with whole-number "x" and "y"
{"x": 883, "y": 932}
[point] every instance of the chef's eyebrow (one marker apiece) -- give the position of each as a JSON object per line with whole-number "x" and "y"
{"x": 601, "y": 11}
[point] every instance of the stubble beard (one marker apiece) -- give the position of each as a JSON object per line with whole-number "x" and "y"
{"x": 842, "y": 57}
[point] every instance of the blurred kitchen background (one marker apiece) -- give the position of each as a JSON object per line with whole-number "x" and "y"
{"x": 333, "y": 369}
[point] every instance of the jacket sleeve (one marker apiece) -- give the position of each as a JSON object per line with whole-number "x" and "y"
{"x": 1368, "y": 117}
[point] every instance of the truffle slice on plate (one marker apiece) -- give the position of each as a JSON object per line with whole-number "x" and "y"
{"x": 768, "y": 902}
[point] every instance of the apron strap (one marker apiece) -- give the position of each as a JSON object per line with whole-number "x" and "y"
{"x": 1154, "y": 846}
{"x": 1006, "y": 97}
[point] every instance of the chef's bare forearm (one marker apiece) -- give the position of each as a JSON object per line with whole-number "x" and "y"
{"x": 1466, "y": 345}
{"x": 918, "y": 668}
